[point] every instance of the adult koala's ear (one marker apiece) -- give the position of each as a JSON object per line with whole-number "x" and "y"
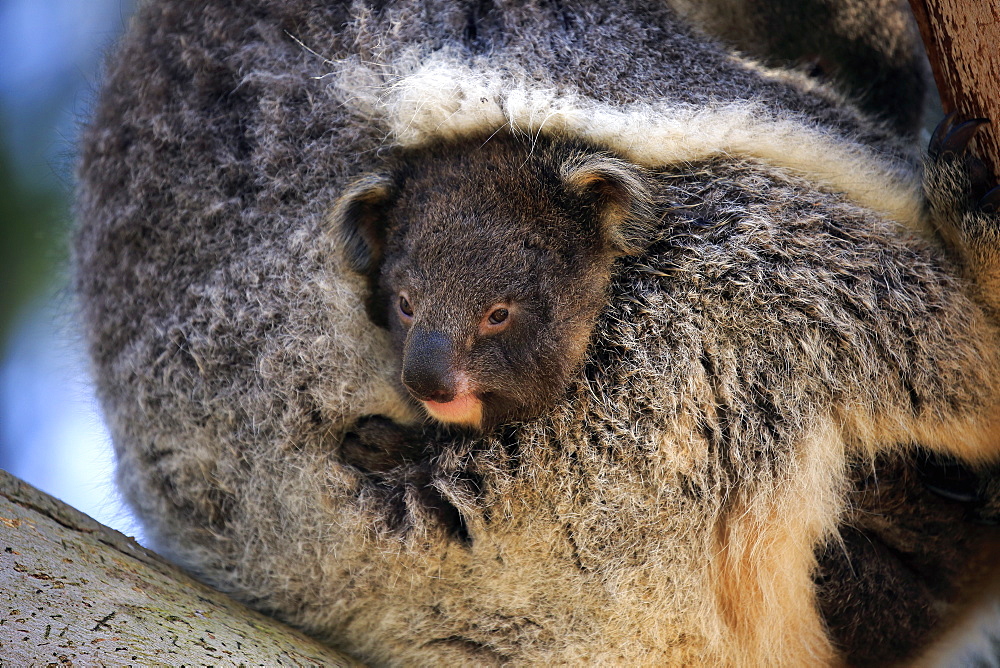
{"x": 622, "y": 194}
{"x": 359, "y": 218}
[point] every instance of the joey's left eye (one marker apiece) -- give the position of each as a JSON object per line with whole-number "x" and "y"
{"x": 499, "y": 316}
{"x": 404, "y": 306}
{"x": 497, "y": 319}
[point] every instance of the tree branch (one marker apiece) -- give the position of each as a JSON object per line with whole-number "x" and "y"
{"x": 75, "y": 592}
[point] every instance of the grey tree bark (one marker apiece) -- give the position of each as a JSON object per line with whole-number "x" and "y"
{"x": 74, "y": 592}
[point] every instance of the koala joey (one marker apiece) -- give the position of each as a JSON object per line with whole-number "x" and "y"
{"x": 443, "y": 217}
{"x": 489, "y": 261}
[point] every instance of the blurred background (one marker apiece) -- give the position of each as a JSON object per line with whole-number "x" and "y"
{"x": 51, "y": 433}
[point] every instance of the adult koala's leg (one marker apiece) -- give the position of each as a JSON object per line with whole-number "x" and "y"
{"x": 912, "y": 545}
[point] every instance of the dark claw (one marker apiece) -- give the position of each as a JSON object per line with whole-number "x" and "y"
{"x": 957, "y": 494}
{"x": 990, "y": 203}
{"x": 951, "y": 138}
{"x": 978, "y": 492}
{"x": 956, "y": 141}
{"x": 940, "y": 132}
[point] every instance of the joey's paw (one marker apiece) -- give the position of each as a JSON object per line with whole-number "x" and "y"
{"x": 377, "y": 444}
{"x": 952, "y": 136}
{"x": 406, "y": 487}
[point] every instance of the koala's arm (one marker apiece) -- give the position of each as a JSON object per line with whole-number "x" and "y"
{"x": 964, "y": 209}
{"x": 962, "y": 201}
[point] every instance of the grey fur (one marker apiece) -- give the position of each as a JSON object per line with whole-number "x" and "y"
{"x": 773, "y": 331}
{"x": 869, "y": 49}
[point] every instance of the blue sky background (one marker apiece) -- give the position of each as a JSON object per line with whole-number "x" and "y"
{"x": 50, "y": 431}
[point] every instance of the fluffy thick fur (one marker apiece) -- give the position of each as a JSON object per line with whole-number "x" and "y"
{"x": 446, "y": 98}
{"x": 867, "y": 48}
{"x": 794, "y": 317}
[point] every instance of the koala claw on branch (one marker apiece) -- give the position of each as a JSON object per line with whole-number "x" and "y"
{"x": 952, "y": 137}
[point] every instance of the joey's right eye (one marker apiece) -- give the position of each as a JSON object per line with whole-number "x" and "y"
{"x": 405, "y": 310}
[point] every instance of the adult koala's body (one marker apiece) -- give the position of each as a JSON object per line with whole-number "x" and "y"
{"x": 791, "y": 318}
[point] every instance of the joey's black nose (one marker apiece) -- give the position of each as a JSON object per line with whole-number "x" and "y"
{"x": 427, "y": 366}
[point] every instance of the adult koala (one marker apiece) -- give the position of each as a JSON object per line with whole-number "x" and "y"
{"x": 794, "y": 316}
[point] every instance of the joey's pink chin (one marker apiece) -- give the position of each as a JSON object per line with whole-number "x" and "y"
{"x": 464, "y": 409}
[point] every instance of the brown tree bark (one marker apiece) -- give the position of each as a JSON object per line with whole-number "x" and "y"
{"x": 74, "y": 592}
{"x": 962, "y": 38}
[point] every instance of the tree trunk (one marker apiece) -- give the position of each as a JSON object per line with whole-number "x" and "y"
{"x": 74, "y": 592}
{"x": 962, "y": 38}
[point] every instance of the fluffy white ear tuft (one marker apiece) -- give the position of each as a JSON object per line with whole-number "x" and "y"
{"x": 358, "y": 216}
{"x": 622, "y": 194}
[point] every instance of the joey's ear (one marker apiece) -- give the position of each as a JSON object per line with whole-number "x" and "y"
{"x": 622, "y": 194}
{"x": 359, "y": 218}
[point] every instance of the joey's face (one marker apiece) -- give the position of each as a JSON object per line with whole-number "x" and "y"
{"x": 489, "y": 260}
{"x": 491, "y": 290}
{"x": 493, "y": 334}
